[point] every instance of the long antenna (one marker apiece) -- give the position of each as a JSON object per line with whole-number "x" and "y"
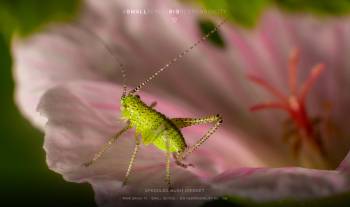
{"x": 179, "y": 56}
{"x": 109, "y": 50}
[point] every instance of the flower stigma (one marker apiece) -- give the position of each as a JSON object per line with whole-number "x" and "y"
{"x": 301, "y": 131}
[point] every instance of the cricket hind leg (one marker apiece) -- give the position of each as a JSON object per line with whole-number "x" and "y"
{"x": 132, "y": 159}
{"x": 106, "y": 146}
{"x": 186, "y": 122}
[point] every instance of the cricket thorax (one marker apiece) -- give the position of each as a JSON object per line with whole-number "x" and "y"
{"x": 153, "y": 126}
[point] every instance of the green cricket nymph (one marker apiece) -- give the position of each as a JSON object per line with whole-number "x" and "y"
{"x": 152, "y": 125}
{"x": 156, "y": 128}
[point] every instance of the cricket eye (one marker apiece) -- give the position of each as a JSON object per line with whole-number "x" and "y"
{"x": 137, "y": 96}
{"x": 124, "y": 105}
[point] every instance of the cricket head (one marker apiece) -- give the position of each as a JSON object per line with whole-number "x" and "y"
{"x": 128, "y": 103}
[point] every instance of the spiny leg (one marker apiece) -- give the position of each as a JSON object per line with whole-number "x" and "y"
{"x": 167, "y": 167}
{"x": 132, "y": 159}
{"x": 106, "y": 146}
{"x": 185, "y": 122}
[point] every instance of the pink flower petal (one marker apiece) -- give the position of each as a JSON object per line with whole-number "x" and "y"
{"x": 83, "y": 115}
{"x": 345, "y": 164}
{"x": 258, "y": 184}
{"x": 67, "y": 53}
{"x": 263, "y": 184}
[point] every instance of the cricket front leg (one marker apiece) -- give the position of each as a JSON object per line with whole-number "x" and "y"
{"x": 106, "y": 146}
{"x": 185, "y": 122}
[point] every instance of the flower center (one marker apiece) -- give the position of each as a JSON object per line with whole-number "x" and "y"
{"x": 294, "y": 104}
{"x": 305, "y": 139}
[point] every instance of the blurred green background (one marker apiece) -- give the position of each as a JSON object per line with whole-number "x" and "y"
{"x": 25, "y": 177}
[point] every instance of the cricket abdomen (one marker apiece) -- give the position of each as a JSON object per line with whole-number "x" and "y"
{"x": 153, "y": 126}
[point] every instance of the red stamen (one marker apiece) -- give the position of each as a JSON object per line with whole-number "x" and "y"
{"x": 270, "y": 105}
{"x": 292, "y": 70}
{"x": 268, "y": 87}
{"x": 313, "y": 76}
{"x": 294, "y": 103}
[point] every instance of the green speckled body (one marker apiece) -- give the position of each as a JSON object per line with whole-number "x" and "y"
{"x": 153, "y": 126}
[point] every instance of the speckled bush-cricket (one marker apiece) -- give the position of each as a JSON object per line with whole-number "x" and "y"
{"x": 153, "y": 126}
